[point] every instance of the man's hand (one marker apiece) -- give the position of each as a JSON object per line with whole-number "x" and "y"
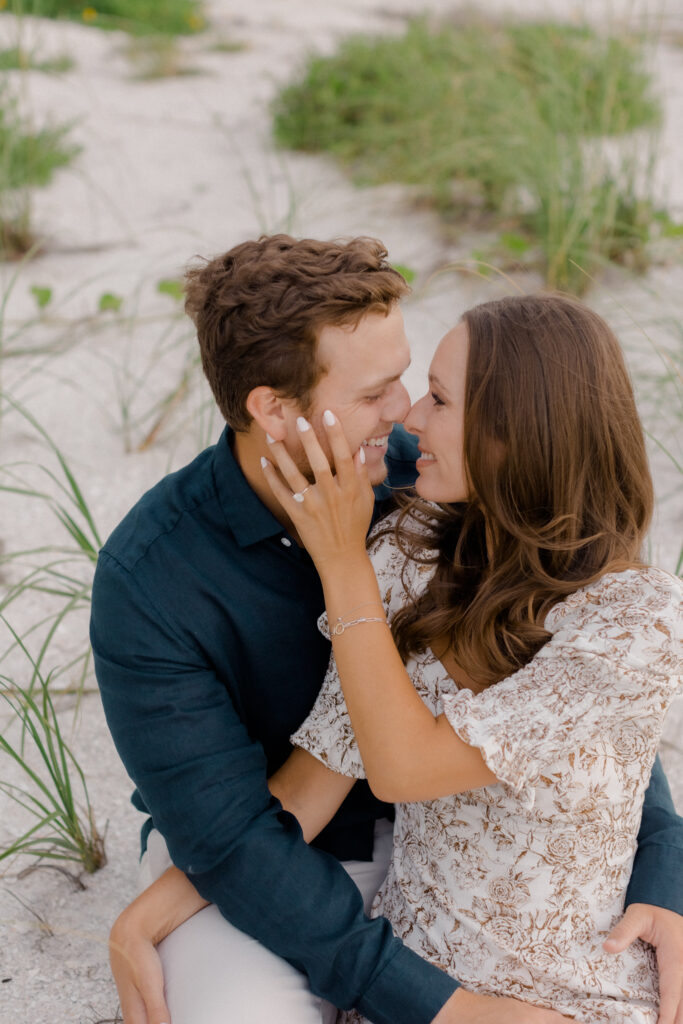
{"x": 470, "y": 1008}
{"x": 664, "y": 930}
{"x": 138, "y": 974}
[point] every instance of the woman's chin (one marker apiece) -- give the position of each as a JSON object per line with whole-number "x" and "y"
{"x": 424, "y": 489}
{"x": 432, "y": 490}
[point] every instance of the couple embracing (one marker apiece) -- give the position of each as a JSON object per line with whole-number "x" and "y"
{"x": 476, "y": 757}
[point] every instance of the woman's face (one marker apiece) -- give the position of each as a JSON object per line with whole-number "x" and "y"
{"x": 438, "y": 419}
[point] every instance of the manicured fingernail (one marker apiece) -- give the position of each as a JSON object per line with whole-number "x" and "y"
{"x": 302, "y": 424}
{"x": 361, "y": 455}
{"x": 329, "y": 418}
{"x": 264, "y": 462}
{"x": 269, "y": 439}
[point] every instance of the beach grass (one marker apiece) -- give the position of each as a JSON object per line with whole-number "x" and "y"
{"x": 53, "y": 793}
{"x": 138, "y": 17}
{"x": 524, "y": 123}
{"x": 16, "y": 58}
{"x": 28, "y": 157}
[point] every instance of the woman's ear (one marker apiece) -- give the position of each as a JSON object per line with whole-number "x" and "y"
{"x": 269, "y": 411}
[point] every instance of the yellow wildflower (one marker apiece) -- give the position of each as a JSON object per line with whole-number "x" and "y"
{"x": 89, "y": 14}
{"x": 195, "y": 21}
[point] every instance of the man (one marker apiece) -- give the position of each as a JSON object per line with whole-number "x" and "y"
{"x": 208, "y": 657}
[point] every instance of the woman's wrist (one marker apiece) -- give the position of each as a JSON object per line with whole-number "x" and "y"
{"x": 350, "y": 588}
{"x": 160, "y": 908}
{"x": 344, "y": 567}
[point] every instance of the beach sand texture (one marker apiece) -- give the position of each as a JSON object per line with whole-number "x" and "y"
{"x": 169, "y": 169}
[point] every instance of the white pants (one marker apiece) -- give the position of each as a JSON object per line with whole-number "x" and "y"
{"x": 216, "y": 974}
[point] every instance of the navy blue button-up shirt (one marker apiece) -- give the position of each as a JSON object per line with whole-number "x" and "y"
{"x": 208, "y": 657}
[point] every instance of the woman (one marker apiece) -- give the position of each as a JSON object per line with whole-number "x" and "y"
{"x": 540, "y": 656}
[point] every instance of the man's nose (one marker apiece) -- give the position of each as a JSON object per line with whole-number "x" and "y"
{"x": 398, "y": 404}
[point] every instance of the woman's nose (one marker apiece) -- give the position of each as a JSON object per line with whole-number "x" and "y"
{"x": 415, "y": 419}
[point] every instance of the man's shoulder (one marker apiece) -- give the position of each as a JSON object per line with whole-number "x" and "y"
{"x": 162, "y": 511}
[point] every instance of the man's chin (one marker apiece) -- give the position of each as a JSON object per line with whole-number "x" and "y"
{"x": 378, "y": 474}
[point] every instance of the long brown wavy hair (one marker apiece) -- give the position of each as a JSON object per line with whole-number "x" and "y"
{"x": 559, "y": 482}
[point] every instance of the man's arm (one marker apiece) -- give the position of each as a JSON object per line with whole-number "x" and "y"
{"x": 203, "y": 780}
{"x": 657, "y": 876}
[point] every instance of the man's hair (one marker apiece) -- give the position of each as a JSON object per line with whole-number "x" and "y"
{"x": 258, "y": 310}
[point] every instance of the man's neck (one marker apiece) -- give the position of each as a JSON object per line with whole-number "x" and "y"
{"x": 248, "y": 448}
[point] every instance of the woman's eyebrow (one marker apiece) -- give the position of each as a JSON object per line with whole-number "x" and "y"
{"x": 434, "y": 382}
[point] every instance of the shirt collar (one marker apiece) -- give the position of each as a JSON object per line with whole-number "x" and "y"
{"x": 247, "y": 516}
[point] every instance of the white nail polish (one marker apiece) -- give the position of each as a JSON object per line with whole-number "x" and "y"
{"x": 361, "y": 455}
{"x": 264, "y": 462}
{"x": 302, "y": 424}
{"x": 269, "y": 439}
{"x": 329, "y": 418}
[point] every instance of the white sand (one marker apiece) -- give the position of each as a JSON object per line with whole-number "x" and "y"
{"x": 183, "y": 166}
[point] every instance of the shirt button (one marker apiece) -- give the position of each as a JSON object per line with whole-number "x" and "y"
{"x": 286, "y": 541}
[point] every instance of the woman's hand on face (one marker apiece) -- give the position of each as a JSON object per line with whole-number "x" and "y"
{"x": 137, "y": 970}
{"x": 333, "y": 514}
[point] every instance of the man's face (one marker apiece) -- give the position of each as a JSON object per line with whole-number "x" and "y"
{"x": 362, "y": 387}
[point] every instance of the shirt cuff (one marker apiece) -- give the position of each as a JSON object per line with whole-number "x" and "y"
{"x": 407, "y": 991}
{"x": 658, "y": 880}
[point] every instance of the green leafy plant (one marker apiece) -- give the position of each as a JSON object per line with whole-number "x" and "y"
{"x": 43, "y": 296}
{"x": 139, "y": 17}
{"x": 158, "y": 56}
{"x": 17, "y": 59}
{"x": 28, "y": 157}
{"x": 63, "y": 824}
{"x": 108, "y": 302}
{"x": 496, "y": 121}
{"x": 171, "y": 286}
{"x": 406, "y": 272}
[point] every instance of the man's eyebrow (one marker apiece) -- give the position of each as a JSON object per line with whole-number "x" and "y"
{"x": 369, "y": 388}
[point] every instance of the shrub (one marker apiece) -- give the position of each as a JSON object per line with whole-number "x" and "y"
{"x": 510, "y": 119}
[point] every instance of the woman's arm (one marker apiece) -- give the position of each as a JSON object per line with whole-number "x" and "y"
{"x": 135, "y": 963}
{"x": 309, "y": 790}
{"x": 408, "y": 754}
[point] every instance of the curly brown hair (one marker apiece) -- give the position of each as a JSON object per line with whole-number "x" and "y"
{"x": 559, "y": 481}
{"x": 259, "y": 307}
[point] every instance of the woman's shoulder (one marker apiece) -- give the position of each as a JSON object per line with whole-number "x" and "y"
{"x": 384, "y": 535}
{"x": 389, "y": 548}
{"x": 636, "y": 614}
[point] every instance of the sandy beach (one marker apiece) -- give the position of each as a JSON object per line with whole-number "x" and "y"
{"x": 184, "y": 166}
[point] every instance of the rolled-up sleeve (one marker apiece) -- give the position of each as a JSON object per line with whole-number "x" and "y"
{"x": 203, "y": 780}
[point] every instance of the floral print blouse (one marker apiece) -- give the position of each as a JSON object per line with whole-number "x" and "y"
{"x": 513, "y": 887}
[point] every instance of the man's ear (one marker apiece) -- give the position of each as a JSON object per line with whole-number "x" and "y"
{"x": 269, "y": 411}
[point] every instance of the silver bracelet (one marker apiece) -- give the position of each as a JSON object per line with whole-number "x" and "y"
{"x": 341, "y": 627}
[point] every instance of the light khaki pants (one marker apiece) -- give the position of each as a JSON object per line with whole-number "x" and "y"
{"x": 215, "y": 974}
